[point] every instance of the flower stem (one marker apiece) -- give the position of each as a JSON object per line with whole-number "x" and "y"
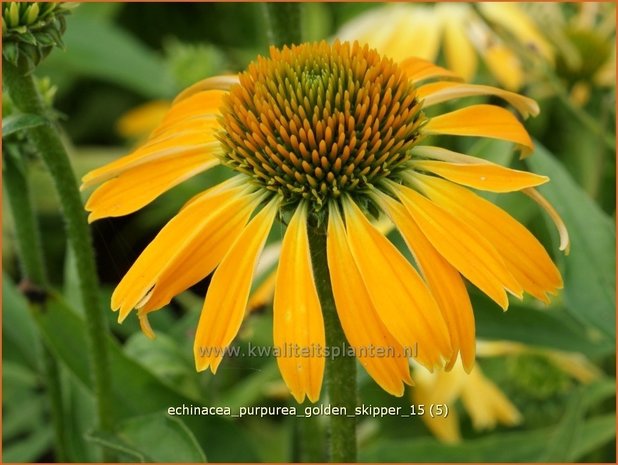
{"x": 34, "y": 275}
{"x": 47, "y": 142}
{"x": 340, "y": 370}
{"x": 284, "y": 24}
{"x": 27, "y": 233}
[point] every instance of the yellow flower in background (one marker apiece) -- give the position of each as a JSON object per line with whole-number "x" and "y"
{"x": 332, "y": 136}
{"x": 481, "y": 398}
{"x": 454, "y": 29}
{"x": 139, "y": 122}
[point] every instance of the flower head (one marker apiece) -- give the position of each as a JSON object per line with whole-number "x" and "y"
{"x": 328, "y": 138}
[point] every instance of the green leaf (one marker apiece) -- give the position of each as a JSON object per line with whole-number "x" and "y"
{"x": 590, "y": 269}
{"x": 563, "y": 445}
{"x": 14, "y": 123}
{"x": 528, "y": 446}
{"x": 18, "y": 330}
{"x": 153, "y": 438}
{"x": 136, "y": 390}
{"x": 553, "y": 328}
{"x": 101, "y": 50}
{"x": 29, "y": 449}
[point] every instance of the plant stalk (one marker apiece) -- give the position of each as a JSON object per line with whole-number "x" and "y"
{"x": 340, "y": 370}
{"x": 34, "y": 275}
{"x": 47, "y": 142}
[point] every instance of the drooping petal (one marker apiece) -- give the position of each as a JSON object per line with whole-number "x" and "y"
{"x": 522, "y": 253}
{"x": 482, "y": 121}
{"x": 462, "y": 246}
{"x": 360, "y": 321}
{"x": 228, "y": 292}
{"x": 403, "y": 302}
{"x": 156, "y": 149}
{"x": 297, "y": 314}
{"x": 565, "y": 242}
{"x": 486, "y": 404}
{"x": 442, "y": 388}
{"x": 189, "y": 125}
{"x": 442, "y": 91}
{"x": 202, "y": 256}
{"x": 417, "y": 69}
{"x": 177, "y": 235}
{"x": 484, "y": 176}
{"x": 138, "y": 186}
{"x": 443, "y": 280}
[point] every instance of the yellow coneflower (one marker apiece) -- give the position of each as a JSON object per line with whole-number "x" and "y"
{"x": 482, "y": 399}
{"x": 403, "y": 30}
{"x": 486, "y": 404}
{"x": 328, "y": 136}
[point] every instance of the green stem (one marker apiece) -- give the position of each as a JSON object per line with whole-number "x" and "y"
{"x": 35, "y": 276}
{"x": 45, "y": 138}
{"x": 284, "y": 23}
{"x": 27, "y": 233}
{"x": 340, "y": 370}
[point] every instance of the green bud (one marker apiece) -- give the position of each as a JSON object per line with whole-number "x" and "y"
{"x": 32, "y": 13}
{"x": 30, "y": 30}
{"x": 14, "y": 14}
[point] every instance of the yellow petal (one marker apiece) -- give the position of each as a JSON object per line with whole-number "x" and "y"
{"x": 297, "y": 314}
{"x": 483, "y": 176}
{"x": 157, "y": 149}
{"x": 440, "y": 388}
{"x": 178, "y": 234}
{"x": 228, "y": 293}
{"x": 482, "y": 121}
{"x": 201, "y": 256}
{"x": 438, "y": 92}
{"x": 443, "y": 280}
{"x": 522, "y": 253}
{"x": 486, "y": 403}
{"x": 458, "y": 51}
{"x": 223, "y": 82}
{"x": 510, "y": 16}
{"x": 504, "y": 65}
{"x": 403, "y": 302}
{"x": 417, "y": 69}
{"x": 462, "y": 246}
{"x": 138, "y": 186}
{"x": 413, "y": 32}
{"x": 188, "y": 125}
{"x": 565, "y": 242}
{"x": 359, "y": 319}
{"x": 204, "y": 106}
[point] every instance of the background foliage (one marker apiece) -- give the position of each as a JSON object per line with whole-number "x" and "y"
{"x": 119, "y": 56}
